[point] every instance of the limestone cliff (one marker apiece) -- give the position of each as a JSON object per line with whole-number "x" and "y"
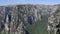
{"x": 14, "y": 19}
{"x": 54, "y": 22}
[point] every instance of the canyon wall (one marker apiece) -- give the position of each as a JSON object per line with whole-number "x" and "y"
{"x": 15, "y": 18}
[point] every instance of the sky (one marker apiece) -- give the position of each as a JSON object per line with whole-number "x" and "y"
{"x": 47, "y": 2}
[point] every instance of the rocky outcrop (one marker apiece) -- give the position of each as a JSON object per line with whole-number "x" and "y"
{"x": 54, "y": 22}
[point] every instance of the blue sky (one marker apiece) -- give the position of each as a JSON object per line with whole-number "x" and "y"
{"x": 48, "y": 2}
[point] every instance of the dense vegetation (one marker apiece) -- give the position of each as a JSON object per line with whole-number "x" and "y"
{"x": 39, "y": 27}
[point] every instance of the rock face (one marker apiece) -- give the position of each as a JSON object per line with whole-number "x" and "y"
{"x": 54, "y": 22}
{"x": 14, "y": 19}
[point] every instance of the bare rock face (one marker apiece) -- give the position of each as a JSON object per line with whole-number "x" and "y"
{"x": 14, "y": 19}
{"x": 54, "y": 22}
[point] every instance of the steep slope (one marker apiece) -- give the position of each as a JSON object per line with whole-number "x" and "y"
{"x": 54, "y": 22}
{"x": 39, "y": 27}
